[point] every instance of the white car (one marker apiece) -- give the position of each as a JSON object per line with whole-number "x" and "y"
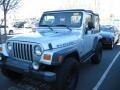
{"x": 9, "y": 30}
{"x": 23, "y": 30}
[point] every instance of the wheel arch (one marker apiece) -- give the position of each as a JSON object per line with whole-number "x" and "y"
{"x": 73, "y": 54}
{"x": 11, "y": 31}
{"x": 97, "y": 40}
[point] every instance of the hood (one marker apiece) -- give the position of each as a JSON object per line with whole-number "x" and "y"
{"x": 56, "y": 39}
{"x": 107, "y": 34}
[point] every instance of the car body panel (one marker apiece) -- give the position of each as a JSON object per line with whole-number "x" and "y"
{"x": 54, "y": 43}
{"x": 109, "y": 35}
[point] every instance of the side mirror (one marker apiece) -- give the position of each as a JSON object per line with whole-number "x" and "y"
{"x": 90, "y": 25}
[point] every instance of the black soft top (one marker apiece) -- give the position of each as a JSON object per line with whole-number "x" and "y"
{"x": 70, "y": 10}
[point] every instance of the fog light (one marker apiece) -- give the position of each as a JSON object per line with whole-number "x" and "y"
{"x": 0, "y": 58}
{"x": 35, "y": 65}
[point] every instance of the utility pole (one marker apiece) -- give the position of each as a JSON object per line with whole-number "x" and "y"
{"x": 97, "y": 5}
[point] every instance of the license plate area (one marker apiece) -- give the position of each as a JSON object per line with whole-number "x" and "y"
{"x": 18, "y": 65}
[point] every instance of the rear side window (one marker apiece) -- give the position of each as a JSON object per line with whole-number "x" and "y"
{"x": 96, "y": 24}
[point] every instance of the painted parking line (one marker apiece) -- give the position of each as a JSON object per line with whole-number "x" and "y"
{"x": 106, "y": 72}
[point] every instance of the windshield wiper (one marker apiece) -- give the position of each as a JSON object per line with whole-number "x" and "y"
{"x": 62, "y": 25}
{"x": 47, "y": 26}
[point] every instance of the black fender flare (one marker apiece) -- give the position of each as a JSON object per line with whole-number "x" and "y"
{"x": 65, "y": 53}
{"x": 96, "y": 40}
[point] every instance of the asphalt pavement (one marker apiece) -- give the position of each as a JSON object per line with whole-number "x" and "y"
{"x": 90, "y": 75}
{"x": 104, "y": 76}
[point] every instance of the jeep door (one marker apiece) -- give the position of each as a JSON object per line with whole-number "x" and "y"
{"x": 88, "y": 36}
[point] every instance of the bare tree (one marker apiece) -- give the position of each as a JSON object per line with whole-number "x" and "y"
{"x": 8, "y": 5}
{"x": 1, "y": 2}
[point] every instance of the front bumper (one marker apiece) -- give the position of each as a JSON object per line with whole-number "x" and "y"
{"x": 2, "y": 57}
{"x": 25, "y": 68}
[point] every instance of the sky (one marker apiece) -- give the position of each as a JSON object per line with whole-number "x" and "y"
{"x": 34, "y": 8}
{"x": 110, "y": 6}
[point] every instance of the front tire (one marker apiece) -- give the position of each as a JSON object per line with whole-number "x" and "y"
{"x": 67, "y": 77}
{"x": 96, "y": 58}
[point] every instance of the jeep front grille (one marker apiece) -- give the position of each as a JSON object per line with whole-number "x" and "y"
{"x": 22, "y": 51}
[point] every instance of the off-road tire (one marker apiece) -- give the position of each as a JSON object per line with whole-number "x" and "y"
{"x": 67, "y": 76}
{"x": 96, "y": 58}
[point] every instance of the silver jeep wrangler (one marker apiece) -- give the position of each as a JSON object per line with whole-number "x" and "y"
{"x": 63, "y": 39}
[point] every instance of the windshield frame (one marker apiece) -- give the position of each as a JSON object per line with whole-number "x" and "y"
{"x": 50, "y": 13}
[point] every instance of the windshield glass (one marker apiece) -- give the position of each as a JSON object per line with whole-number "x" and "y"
{"x": 107, "y": 29}
{"x": 70, "y": 19}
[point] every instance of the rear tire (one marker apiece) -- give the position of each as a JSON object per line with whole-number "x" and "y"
{"x": 67, "y": 77}
{"x": 96, "y": 58}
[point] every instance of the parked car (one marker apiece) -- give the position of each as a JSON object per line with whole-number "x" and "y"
{"x": 64, "y": 39}
{"x": 23, "y": 30}
{"x": 19, "y": 24}
{"x": 110, "y": 35}
{"x": 9, "y": 30}
{"x": 22, "y": 27}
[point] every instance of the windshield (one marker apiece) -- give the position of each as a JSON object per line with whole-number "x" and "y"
{"x": 107, "y": 29}
{"x": 70, "y": 19}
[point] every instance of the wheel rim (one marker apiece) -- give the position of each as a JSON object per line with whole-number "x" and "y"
{"x": 71, "y": 80}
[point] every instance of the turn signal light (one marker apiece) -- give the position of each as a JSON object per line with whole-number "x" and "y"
{"x": 47, "y": 57}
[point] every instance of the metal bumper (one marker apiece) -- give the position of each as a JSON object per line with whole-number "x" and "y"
{"x": 26, "y": 69}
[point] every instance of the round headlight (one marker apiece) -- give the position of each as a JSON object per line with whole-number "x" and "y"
{"x": 9, "y": 46}
{"x": 38, "y": 50}
{"x": 35, "y": 65}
